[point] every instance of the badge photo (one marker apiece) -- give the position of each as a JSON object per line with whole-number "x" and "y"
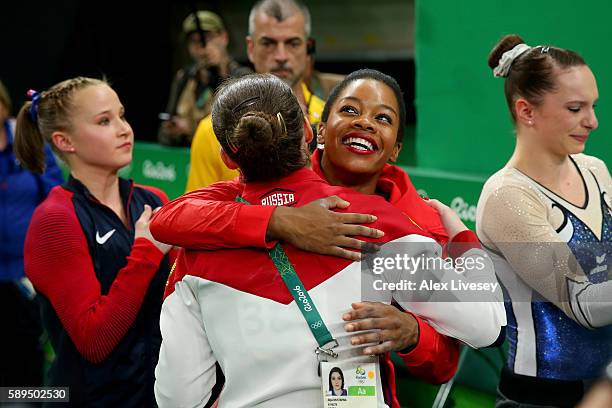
{"x": 349, "y": 384}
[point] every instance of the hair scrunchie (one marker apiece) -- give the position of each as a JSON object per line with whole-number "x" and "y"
{"x": 505, "y": 62}
{"x": 34, "y": 96}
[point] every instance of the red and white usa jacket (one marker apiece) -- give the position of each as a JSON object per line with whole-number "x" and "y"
{"x": 100, "y": 293}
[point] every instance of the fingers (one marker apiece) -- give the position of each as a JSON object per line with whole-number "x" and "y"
{"x": 372, "y": 324}
{"x": 380, "y": 339}
{"x": 372, "y": 337}
{"x": 146, "y": 213}
{"x": 333, "y": 202}
{"x": 348, "y": 254}
{"x": 380, "y": 323}
{"x": 346, "y": 242}
{"x": 380, "y": 342}
{"x": 439, "y": 206}
{"x": 382, "y": 348}
{"x": 349, "y": 229}
{"x": 344, "y": 253}
{"x": 355, "y": 218}
{"x": 432, "y": 202}
{"x": 365, "y": 310}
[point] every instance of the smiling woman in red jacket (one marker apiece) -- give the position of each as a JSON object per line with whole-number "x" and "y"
{"x": 362, "y": 131}
{"x": 235, "y": 307}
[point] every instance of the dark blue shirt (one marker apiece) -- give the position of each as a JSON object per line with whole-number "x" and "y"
{"x": 20, "y": 192}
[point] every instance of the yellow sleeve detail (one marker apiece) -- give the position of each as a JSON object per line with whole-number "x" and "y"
{"x": 315, "y": 105}
{"x": 315, "y": 110}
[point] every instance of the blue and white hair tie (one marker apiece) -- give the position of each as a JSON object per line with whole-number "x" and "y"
{"x": 35, "y": 98}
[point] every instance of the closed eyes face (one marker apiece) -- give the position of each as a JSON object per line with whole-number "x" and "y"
{"x": 566, "y": 116}
{"x": 361, "y": 132}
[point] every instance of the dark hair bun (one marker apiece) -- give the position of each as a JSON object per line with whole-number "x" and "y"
{"x": 507, "y": 43}
{"x": 259, "y": 123}
{"x": 257, "y": 129}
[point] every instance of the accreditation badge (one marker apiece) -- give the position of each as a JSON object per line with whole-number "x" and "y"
{"x": 349, "y": 384}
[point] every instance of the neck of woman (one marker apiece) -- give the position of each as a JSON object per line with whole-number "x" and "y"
{"x": 539, "y": 163}
{"x": 362, "y": 182}
{"x": 103, "y": 185}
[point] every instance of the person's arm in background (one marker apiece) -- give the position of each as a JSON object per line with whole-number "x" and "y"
{"x": 514, "y": 221}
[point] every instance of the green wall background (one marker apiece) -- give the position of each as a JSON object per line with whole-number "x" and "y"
{"x": 462, "y": 120}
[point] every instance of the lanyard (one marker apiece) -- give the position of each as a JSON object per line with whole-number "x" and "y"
{"x": 302, "y": 298}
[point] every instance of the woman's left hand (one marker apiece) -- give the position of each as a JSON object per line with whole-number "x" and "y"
{"x": 394, "y": 329}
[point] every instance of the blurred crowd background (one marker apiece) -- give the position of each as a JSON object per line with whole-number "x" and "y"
{"x": 139, "y": 47}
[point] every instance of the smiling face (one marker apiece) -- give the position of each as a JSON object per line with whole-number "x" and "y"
{"x": 360, "y": 134}
{"x": 99, "y": 135}
{"x": 566, "y": 116}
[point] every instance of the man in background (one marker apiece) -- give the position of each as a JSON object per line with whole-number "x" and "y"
{"x": 193, "y": 86}
{"x": 278, "y": 43}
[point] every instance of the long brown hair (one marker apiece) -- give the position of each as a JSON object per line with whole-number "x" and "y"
{"x": 52, "y": 113}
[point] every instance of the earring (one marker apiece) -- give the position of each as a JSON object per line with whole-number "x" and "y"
{"x": 320, "y": 142}
{"x": 530, "y": 123}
